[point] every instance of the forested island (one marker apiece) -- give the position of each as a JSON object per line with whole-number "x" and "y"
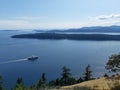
{"x": 60, "y": 36}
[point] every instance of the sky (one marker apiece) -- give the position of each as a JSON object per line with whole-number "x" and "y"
{"x": 58, "y": 14}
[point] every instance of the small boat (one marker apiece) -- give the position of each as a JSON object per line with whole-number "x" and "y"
{"x": 32, "y": 58}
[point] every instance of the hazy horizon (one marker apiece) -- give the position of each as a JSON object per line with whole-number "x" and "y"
{"x": 58, "y": 14}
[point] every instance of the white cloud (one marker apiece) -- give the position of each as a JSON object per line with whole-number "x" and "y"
{"x": 14, "y": 24}
{"x": 106, "y": 17}
{"x": 37, "y": 23}
{"x": 105, "y": 20}
{"x": 24, "y": 24}
{"x": 31, "y": 18}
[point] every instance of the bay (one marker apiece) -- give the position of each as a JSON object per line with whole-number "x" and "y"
{"x": 53, "y": 55}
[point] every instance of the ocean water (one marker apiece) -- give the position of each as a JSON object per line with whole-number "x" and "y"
{"x": 53, "y": 55}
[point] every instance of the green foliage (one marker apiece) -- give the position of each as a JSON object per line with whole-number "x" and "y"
{"x": 88, "y": 73}
{"x": 1, "y": 81}
{"x": 19, "y": 87}
{"x": 113, "y": 64}
{"x": 19, "y": 84}
{"x": 66, "y": 79}
{"x": 57, "y": 82}
{"x": 42, "y": 82}
{"x": 80, "y": 80}
{"x": 66, "y": 76}
{"x": 20, "y": 81}
{"x": 52, "y": 83}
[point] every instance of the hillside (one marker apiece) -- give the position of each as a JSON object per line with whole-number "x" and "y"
{"x": 97, "y": 84}
{"x": 100, "y": 29}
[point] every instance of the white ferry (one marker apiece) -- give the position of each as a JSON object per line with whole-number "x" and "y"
{"x": 33, "y": 58}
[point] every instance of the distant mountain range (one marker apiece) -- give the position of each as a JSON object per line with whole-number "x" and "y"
{"x": 98, "y": 29}
{"x": 104, "y": 29}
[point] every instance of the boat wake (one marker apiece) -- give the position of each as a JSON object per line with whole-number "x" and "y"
{"x": 14, "y": 61}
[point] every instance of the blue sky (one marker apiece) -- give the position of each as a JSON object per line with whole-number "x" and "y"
{"x": 58, "y": 14}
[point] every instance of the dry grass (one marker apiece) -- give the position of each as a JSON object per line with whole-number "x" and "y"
{"x": 112, "y": 83}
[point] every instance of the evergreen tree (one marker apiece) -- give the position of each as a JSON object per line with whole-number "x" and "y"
{"x": 57, "y": 82}
{"x": 19, "y": 84}
{"x": 66, "y": 75}
{"x": 42, "y": 81}
{"x": 80, "y": 80}
{"x": 88, "y": 73}
{"x": 113, "y": 64}
{"x": 52, "y": 83}
{"x": 71, "y": 81}
{"x": 19, "y": 81}
{"x": 1, "y": 81}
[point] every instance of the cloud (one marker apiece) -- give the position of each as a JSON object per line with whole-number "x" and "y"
{"x": 24, "y": 24}
{"x": 104, "y": 20}
{"x": 27, "y": 22}
{"x": 106, "y": 17}
{"x": 30, "y": 18}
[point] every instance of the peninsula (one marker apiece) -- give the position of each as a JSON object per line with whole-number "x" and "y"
{"x": 59, "y": 36}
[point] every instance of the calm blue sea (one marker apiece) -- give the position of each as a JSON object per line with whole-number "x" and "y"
{"x": 53, "y": 55}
